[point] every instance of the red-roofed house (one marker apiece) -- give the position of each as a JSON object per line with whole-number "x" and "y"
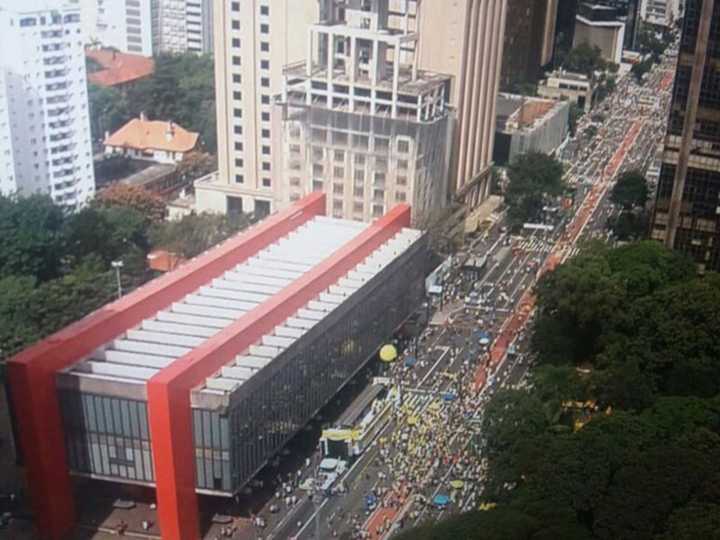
{"x": 155, "y": 140}
{"x": 118, "y": 69}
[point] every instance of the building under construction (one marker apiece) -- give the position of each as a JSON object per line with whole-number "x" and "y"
{"x": 358, "y": 119}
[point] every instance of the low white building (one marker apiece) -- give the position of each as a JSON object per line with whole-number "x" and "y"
{"x": 575, "y": 87}
{"x": 152, "y": 140}
{"x": 44, "y": 121}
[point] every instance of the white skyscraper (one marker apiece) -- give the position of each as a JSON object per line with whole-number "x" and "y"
{"x": 182, "y": 26}
{"x": 45, "y": 87}
{"x": 123, "y": 24}
{"x": 7, "y": 168}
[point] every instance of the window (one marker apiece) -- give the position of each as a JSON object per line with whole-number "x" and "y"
{"x": 358, "y": 207}
{"x": 378, "y": 210}
{"x": 266, "y": 182}
{"x": 265, "y": 99}
{"x": 265, "y": 133}
{"x": 236, "y": 60}
{"x": 237, "y": 113}
{"x": 265, "y": 64}
{"x": 265, "y": 116}
{"x": 239, "y": 179}
{"x": 338, "y": 189}
{"x": 264, "y": 10}
{"x": 237, "y": 130}
{"x": 266, "y": 150}
{"x": 402, "y": 164}
{"x": 235, "y": 6}
{"x": 236, "y": 25}
{"x": 317, "y": 185}
{"x": 237, "y": 95}
{"x": 337, "y": 205}
{"x": 401, "y": 181}
{"x": 338, "y": 172}
{"x": 264, "y": 82}
{"x": 236, "y": 43}
{"x": 295, "y": 181}
{"x": 239, "y": 162}
{"x": 400, "y": 196}
{"x": 265, "y": 166}
{"x": 237, "y": 79}
{"x": 264, "y": 28}
{"x": 239, "y": 146}
{"x": 359, "y": 159}
{"x": 264, "y": 46}
{"x": 339, "y": 155}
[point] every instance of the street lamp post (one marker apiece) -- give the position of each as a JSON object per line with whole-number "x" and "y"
{"x": 117, "y": 265}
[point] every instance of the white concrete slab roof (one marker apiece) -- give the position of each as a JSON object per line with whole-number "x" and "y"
{"x": 141, "y": 352}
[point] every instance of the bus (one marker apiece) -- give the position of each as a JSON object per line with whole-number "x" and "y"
{"x": 358, "y": 426}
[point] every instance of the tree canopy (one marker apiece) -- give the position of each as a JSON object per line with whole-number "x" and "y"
{"x": 618, "y": 433}
{"x": 585, "y": 59}
{"x": 55, "y": 268}
{"x": 533, "y": 179}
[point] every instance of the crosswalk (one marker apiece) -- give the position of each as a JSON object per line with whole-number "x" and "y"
{"x": 532, "y": 243}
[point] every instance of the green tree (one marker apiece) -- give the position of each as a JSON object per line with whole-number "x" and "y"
{"x": 182, "y": 89}
{"x": 630, "y": 190}
{"x": 31, "y": 241}
{"x": 585, "y": 59}
{"x": 109, "y": 110}
{"x": 146, "y": 203}
{"x": 534, "y": 178}
{"x": 628, "y": 225}
{"x": 194, "y": 234}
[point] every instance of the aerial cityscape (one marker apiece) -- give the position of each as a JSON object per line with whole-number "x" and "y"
{"x": 360, "y": 269}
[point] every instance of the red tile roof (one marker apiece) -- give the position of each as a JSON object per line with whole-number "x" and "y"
{"x": 118, "y": 68}
{"x": 142, "y": 134}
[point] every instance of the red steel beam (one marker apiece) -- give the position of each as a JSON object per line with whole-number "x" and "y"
{"x": 32, "y": 372}
{"x": 169, "y": 391}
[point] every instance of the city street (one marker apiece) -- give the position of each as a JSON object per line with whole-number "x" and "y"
{"x": 422, "y": 466}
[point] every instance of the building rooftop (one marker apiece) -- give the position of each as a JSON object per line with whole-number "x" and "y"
{"x": 518, "y": 112}
{"x": 118, "y": 68}
{"x": 142, "y": 134}
{"x": 424, "y": 81}
{"x": 159, "y": 340}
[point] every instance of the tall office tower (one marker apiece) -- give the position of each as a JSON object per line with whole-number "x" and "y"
{"x": 180, "y": 26}
{"x": 464, "y": 39}
{"x": 564, "y": 30}
{"x": 687, "y": 208}
{"x": 528, "y": 41}
{"x": 254, "y": 41}
{"x": 358, "y": 122}
{"x": 43, "y": 60}
{"x": 602, "y": 27}
{"x": 629, "y": 11}
{"x": 124, "y": 25}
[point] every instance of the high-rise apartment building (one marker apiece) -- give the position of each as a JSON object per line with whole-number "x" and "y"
{"x": 687, "y": 207}
{"x": 45, "y": 89}
{"x": 359, "y": 121}
{"x": 254, "y": 41}
{"x": 122, "y": 24}
{"x": 180, "y": 26}
{"x": 528, "y": 41}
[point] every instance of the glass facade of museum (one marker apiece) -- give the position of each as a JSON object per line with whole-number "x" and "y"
{"x": 109, "y": 437}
